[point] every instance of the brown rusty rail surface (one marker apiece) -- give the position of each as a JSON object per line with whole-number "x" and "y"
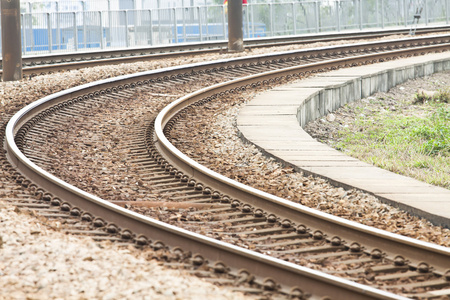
{"x": 290, "y": 218}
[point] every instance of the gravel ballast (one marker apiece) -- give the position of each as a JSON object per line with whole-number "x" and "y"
{"x": 224, "y": 152}
{"x": 92, "y": 270}
{"x": 41, "y": 263}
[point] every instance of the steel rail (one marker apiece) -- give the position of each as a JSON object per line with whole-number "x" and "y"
{"x": 38, "y": 64}
{"x": 263, "y": 59}
{"x": 320, "y": 51}
{"x": 392, "y": 244}
{"x": 293, "y": 276}
{"x": 259, "y": 265}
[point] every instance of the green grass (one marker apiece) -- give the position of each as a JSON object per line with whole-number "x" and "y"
{"x": 413, "y": 142}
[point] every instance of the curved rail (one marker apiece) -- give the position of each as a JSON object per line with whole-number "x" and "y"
{"x": 436, "y": 255}
{"x": 260, "y": 265}
{"x": 47, "y": 63}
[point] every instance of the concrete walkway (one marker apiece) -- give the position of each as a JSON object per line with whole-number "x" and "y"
{"x": 272, "y": 122}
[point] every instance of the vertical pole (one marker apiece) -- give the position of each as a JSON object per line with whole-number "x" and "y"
{"x": 317, "y": 12}
{"x": 338, "y": 19}
{"x": 200, "y": 25}
{"x": 235, "y": 33}
{"x": 83, "y": 4}
{"x": 206, "y": 31}
{"x": 247, "y": 20}
{"x": 272, "y": 24}
{"x": 382, "y": 13}
{"x": 405, "y": 9}
{"x": 294, "y": 18}
{"x": 127, "y": 42}
{"x": 30, "y": 26}
{"x": 49, "y": 33}
{"x": 24, "y": 34}
{"x": 426, "y": 12}
{"x": 11, "y": 40}
{"x": 377, "y": 14}
{"x": 446, "y": 11}
{"x": 58, "y": 27}
{"x": 183, "y": 16}
{"x": 253, "y": 20}
{"x": 175, "y": 25}
{"x": 360, "y": 15}
{"x": 159, "y": 26}
{"x": 109, "y": 24}
{"x": 224, "y": 25}
{"x": 75, "y": 31}
{"x": 102, "y": 41}
{"x": 151, "y": 26}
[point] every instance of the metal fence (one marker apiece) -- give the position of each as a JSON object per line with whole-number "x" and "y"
{"x": 91, "y": 28}
{"x": 35, "y": 6}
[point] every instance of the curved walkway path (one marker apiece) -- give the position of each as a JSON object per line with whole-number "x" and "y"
{"x": 272, "y": 121}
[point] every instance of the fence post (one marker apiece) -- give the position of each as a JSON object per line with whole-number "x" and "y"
{"x": 109, "y": 23}
{"x": 183, "y": 16}
{"x": 235, "y": 33}
{"x": 317, "y": 12}
{"x": 271, "y": 20}
{"x": 446, "y": 11}
{"x": 405, "y": 13}
{"x": 151, "y": 26}
{"x": 24, "y": 34}
{"x": 127, "y": 42}
{"x": 294, "y": 18}
{"x": 377, "y": 14}
{"x": 58, "y": 28}
{"x": 49, "y": 33}
{"x": 247, "y": 20}
{"x": 102, "y": 42}
{"x": 30, "y": 22}
{"x": 175, "y": 24}
{"x": 360, "y": 15}
{"x": 224, "y": 23}
{"x": 253, "y": 19}
{"x": 206, "y": 32}
{"x": 83, "y": 3}
{"x": 338, "y": 18}
{"x": 200, "y": 31}
{"x": 159, "y": 25}
{"x": 75, "y": 31}
{"x": 11, "y": 40}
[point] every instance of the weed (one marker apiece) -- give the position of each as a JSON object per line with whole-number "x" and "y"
{"x": 421, "y": 164}
{"x": 442, "y": 96}
{"x": 435, "y": 132}
{"x": 415, "y": 144}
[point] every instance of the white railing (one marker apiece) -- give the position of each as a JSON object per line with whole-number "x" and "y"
{"x": 92, "y": 28}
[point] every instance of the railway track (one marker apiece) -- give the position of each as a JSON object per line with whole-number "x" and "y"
{"x": 289, "y": 233}
{"x": 50, "y": 63}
